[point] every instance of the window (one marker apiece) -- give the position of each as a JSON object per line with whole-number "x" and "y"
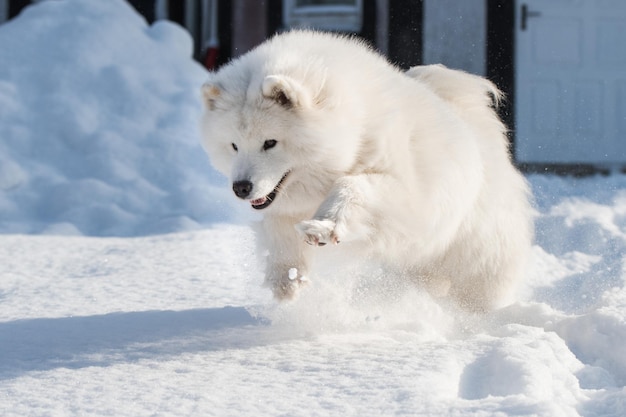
{"x": 331, "y": 15}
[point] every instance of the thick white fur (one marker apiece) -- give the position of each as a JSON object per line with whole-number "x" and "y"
{"x": 413, "y": 167}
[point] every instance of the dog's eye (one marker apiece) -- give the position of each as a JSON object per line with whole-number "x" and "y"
{"x": 234, "y": 147}
{"x": 269, "y": 144}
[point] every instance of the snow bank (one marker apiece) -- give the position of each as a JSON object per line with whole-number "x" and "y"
{"x": 580, "y": 272}
{"x": 98, "y": 124}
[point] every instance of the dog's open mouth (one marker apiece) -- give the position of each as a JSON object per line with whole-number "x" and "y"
{"x": 263, "y": 202}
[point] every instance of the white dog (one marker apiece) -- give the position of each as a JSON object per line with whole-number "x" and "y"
{"x": 334, "y": 145}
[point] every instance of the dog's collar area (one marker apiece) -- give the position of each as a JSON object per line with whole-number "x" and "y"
{"x": 263, "y": 202}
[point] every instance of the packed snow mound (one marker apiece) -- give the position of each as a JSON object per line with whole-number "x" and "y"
{"x": 99, "y": 124}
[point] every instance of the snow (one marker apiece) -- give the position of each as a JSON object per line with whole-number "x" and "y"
{"x": 98, "y": 124}
{"x": 130, "y": 283}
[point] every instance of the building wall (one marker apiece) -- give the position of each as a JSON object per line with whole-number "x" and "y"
{"x": 455, "y": 34}
{"x": 251, "y": 17}
{"x": 454, "y": 31}
{"x": 4, "y": 10}
{"x": 382, "y": 25}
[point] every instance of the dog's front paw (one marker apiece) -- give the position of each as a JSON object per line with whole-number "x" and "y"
{"x": 285, "y": 286}
{"x": 318, "y": 232}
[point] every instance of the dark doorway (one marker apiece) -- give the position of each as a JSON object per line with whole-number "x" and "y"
{"x": 405, "y": 32}
{"x": 501, "y": 56}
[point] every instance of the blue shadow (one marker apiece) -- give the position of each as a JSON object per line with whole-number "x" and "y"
{"x": 101, "y": 340}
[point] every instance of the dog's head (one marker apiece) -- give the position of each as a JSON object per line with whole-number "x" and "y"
{"x": 255, "y": 136}
{"x": 278, "y": 123}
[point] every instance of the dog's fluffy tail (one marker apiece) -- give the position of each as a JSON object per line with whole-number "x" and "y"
{"x": 458, "y": 87}
{"x": 475, "y": 98}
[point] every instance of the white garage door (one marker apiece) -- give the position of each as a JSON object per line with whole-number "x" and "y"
{"x": 570, "y": 96}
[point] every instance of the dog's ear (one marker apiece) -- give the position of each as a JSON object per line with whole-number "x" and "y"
{"x": 285, "y": 91}
{"x": 210, "y": 93}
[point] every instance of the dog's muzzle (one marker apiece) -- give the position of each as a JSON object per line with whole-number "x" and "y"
{"x": 242, "y": 189}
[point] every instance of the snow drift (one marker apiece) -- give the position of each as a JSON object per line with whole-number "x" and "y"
{"x": 98, "y": 124}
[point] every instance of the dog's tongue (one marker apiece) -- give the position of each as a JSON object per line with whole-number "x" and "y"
{"x": 258, "y": 201}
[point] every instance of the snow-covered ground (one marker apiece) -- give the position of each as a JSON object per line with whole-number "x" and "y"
{"x": 98, "y": 138}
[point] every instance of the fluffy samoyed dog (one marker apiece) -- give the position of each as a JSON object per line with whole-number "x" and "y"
{"x": 336, "y": 146}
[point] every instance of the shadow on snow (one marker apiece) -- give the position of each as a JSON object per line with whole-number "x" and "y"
{"x": 101, "y": 340}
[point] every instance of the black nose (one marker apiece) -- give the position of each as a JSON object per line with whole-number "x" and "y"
{"x": 242, "y": 189}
